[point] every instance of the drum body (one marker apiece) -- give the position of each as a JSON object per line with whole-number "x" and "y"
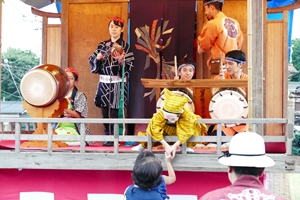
{"x": 43, "y": 84}
{"x": 228, "y": 104}
{"x": 182, "y": 91}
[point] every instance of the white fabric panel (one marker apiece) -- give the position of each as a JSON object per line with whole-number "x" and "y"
{"x": 120, "y": 197}
{"x": 105, "y": 196}
{"x": 36, "y": 196}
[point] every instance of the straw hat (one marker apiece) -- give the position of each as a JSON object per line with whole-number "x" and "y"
{"x": 174, "y": 102}
{"x": 246, "y": 149}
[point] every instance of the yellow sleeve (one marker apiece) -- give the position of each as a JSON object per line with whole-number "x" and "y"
{"x": 156, "y": 126}
{"x": 188, "y": 126}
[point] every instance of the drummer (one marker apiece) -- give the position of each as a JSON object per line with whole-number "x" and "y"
{"x": 234, "y": 61}
{"x": 77, "y": 108}
{"x": 186, "y": 69}
{"x": 185, "y": 72}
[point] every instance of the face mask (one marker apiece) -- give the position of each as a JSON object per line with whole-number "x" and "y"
{"x": 171, "y": 117}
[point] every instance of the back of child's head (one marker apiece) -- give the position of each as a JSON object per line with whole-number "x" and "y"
{"x": 144, "y": 154}
{"x": 147, "y": 172}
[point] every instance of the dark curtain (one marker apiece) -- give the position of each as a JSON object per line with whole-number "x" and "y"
{"x": 181, "y": 16}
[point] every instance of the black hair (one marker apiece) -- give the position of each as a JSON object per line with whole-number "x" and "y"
{"x": 75, "y": 76}
{"x": 237, "y": 54}
{"x": 147, "y": 171}
{"x": 254, "y": 171}
{"x": 118, "y": 22}
{"x": 143, "y": 155}
{"x": 217, "y": 5}
{"x": 187, "y": 60}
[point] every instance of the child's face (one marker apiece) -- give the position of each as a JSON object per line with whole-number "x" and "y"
{"x": 114, "y": 30}
{"x": 71, "y": 79}
{"x": 186, "y": 72}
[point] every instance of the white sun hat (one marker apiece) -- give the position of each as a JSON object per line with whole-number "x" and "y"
{"x": 246, "y": 149}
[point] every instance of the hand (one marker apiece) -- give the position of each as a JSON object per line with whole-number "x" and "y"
{"x": 99, "y": 56}
{"x": 176, "y": 77}
{"x": 168, "y": 157}
{"x": 167, "y": 148}
{"x": 173, "y": 150}
{"x": 118, "y": 53}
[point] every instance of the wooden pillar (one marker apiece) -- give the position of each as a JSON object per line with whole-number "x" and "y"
{"x": 84, "y": 26}
{"x": 51, "y": 37}
{"x": 256, "y": 18}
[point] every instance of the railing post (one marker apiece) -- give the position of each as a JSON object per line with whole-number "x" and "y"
{"x": 116, "y": 138}
{"x": 50, "y": 137}
{"x": 290, "y": 125}
{"x": 219, "y": 139}
{"x": 82, "y": 138}
{"x": 149, "y": 144}
{"x": 17, "y": 137}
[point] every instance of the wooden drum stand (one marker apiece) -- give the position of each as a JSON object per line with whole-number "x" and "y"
{"x": 51, "y": 111}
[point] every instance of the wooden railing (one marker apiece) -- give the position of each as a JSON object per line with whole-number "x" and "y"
{"x": 53, "y": 158}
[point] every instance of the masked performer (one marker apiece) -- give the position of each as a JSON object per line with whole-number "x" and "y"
{"x": 174, "y": 119}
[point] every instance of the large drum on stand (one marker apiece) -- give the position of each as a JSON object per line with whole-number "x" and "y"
{"x": 228, "y": 103}
{"x": 181, "y": 91}
{"x": 44, "y": 84}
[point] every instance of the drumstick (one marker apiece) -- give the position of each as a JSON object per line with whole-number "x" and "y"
{"x": 175, "y": 65}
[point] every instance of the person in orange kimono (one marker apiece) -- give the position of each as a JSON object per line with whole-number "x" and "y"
{"x": 234, "y": 61}
{"x": 220, "y": 34}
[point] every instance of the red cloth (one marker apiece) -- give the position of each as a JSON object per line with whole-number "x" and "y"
{"x": 77, "y": 184}
{"x": 245, "y": 187}
{"x": 69, "y": 69}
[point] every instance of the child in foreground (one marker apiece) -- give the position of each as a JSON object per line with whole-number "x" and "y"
{"x": 149, "y": 183}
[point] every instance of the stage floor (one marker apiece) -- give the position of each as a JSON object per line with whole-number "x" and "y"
{"x": 96, "y": 147}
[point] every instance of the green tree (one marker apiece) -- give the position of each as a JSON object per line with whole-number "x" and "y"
{"x": 296, "y": 58}
{"x": 15, "y": 64}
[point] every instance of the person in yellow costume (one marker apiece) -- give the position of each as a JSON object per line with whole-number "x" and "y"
{"x": 174, "y": 119}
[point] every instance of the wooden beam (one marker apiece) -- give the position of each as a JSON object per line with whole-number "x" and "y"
{"x": 124, "y": 161}
{"x": 45, "y": 14}
{"x": 196, "y": 83}
{"x": 293, "y": 6}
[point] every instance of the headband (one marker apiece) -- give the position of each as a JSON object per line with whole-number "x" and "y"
{"x": 118, "y": 19}
{"x": 182, "y": 65}
{"x": 69, "y": 69}
{"x": 213, "y": 1}
{"x": 236, "y": 60}
{"x": 227, "y": 154}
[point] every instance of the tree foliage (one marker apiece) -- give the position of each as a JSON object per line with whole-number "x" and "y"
{"x": 15, "y": 64}
{"x": 296, "y": 58}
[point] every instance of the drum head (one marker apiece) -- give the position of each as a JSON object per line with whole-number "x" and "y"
{"x": 228, "y": 104}
{"x": 39, "y": 87}
{"x": 190, "y": 104}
